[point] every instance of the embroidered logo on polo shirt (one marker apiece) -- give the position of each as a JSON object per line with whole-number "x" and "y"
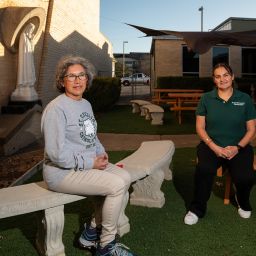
{"x": 238, "y": 103}
{"x": 88, "y": 127}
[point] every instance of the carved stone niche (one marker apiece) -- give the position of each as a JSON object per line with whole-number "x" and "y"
{"x": 15, "y": 19}
{"x": 20, "y": 29}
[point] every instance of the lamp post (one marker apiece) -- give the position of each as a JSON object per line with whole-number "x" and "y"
{"x": 124, "y": 42}
{"x": 201, "y": 9}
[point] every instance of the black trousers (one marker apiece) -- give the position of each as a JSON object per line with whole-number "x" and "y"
{"x": 241, "y": 172}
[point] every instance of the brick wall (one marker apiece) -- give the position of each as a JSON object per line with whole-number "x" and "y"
{"x": 205, "y": 64}
{"x": 167, "y": 59}
{"x": 235, "y": 60}
{"x": 72, "y": 27}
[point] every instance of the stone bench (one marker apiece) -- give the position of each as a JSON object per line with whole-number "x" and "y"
{"x": 49, "y": 205}
{"x": 155, "y": 113}
{"x": 49, "y": 208}
{"x": 148, "y": 166}
{"x": 137, "y": 106}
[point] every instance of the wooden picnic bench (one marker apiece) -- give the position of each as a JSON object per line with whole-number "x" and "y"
{"x": 180, "y": 109}
{"x": 161, "y": 95}
{"x": 184, "y": 102}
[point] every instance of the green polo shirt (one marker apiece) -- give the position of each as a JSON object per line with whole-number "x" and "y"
{"x": 226, "y": 120}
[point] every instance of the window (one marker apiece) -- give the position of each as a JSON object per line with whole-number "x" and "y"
{"x": 190, "y": 62}
{"x": 249, "y": 62}
{"x": 220, "y": 54}
{"x": 226, "y": 26}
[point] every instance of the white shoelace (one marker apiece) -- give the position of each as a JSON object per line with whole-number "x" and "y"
{"x": 118, "y": 251}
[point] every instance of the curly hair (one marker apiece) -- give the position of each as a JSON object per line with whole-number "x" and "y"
{"x": 67, "y": 61}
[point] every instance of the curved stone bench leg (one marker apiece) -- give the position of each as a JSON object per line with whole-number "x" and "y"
{"x": 167, "y": 170}
{"x": 50, "y": 229}
{"x": 135, "y": 108}
{"x": 157, "y": 118}
{"x": 142, "y": 111}
{"x": 147, "y": 114}
{"x": 147, "y": 192}
{"x": 123, "y": 225}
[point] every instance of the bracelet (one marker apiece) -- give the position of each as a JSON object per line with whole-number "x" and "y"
{"x": 208, "y": 141}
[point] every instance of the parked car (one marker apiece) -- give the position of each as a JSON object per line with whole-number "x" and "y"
{"x": 136, "y": 78}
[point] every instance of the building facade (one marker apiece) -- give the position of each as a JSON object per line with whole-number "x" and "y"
{"x": 170, "y": 56}
{"x": 135, "y": 62}
{"x": 65, "y": 28}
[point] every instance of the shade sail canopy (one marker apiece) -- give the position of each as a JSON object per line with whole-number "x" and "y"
{"x": 201, "y": 42}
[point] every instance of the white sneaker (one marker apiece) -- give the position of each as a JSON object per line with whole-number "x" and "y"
{"x": 190, "y": 218}
{"x": 244, "y": 214}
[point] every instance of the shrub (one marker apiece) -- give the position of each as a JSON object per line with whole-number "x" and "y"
{"x": 103, "y": 93}
{"x": 176, "y": 82}
{"x": 246, "y": 84}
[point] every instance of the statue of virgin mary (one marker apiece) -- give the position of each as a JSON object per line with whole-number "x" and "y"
{"x": 26, "y": 77}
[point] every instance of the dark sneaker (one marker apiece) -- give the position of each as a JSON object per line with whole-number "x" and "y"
{"x": 113, "y": 249}
{"x": 89, "y": 237}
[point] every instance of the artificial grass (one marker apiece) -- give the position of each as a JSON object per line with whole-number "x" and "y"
{"x": 154, "y": 231}
{"x": 121, "y": 120}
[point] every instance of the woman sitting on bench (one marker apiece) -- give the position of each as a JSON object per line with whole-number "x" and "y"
{"x": 76, "y": 161}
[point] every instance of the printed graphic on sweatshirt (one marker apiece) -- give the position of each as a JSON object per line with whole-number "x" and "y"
{"x": 88, "y": 127}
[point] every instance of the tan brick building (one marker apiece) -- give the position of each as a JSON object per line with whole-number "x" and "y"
{"x": 68, "y": 27}
{"x": 62, "y": 27}
{"x": 170, "y": 55}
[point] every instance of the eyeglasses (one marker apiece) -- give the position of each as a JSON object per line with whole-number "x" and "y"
{"x": 73, "y": 77}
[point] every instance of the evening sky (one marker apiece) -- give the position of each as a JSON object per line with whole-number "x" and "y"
{"x": 178, "y": 15}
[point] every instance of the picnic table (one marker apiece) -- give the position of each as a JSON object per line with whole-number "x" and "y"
{"x": 184, "y": 101}
{"x": 161, "y": 95}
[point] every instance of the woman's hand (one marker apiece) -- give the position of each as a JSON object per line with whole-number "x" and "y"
{"x": 101, "y": 162}
{"x": 232, "y": 151}
{"x": 219, "y": 151}
{"x": 228, "y": 152}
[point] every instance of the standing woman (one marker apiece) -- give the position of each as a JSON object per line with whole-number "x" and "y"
{"x": 225, "y": 125}
{"x": 76, "y": 161}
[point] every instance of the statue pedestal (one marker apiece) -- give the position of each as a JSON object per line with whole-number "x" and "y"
{"x": 19, "y": 107}
{"x": 24, "y": 93}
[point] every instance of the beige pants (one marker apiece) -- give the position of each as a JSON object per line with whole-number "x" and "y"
{"x": 112, "y": 183}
